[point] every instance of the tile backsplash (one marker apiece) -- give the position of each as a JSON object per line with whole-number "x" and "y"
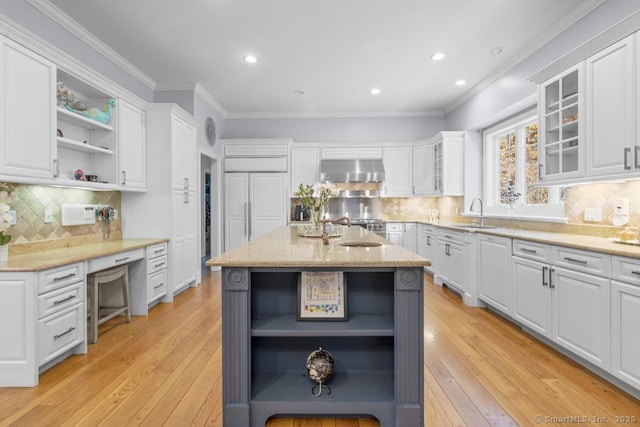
{"x": 30, "y": 202}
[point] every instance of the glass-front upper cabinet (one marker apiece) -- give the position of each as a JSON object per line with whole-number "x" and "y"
{"x": 561, "y": 138}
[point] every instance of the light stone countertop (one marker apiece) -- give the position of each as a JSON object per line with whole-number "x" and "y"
{"x": 283, "y": 247}
{"x": 576, "y": 241}
{"x": 43, "y": 260}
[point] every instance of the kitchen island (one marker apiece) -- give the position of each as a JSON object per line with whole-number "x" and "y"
{"x": 378, "y": 347}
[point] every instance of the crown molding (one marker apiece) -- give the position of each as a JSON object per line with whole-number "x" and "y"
{"x": 567, "y": 21}
{"x": 68, "y": 23}
{"x": 196, "y": 88}
{"x": 364, "y": 115}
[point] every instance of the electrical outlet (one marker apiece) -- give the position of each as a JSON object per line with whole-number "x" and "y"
{"x": 115, "y": 214}
{"x": 593, "y": 214}
{"x": 48, "y": 216}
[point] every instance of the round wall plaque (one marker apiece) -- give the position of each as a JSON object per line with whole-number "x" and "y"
{"x": 210, "y": 131}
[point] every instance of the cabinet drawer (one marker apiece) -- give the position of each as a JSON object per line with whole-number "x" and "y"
{"x": 59, "y": 277}
{"x": 429, "y": 229}
{"x": 156, "y": 285}
{"x": 395, "y": 226}
{"x": 531, "y": 250}
{"x": 585, "y": 261}
{"x": 115, "y": 259}
{"x": 154, "y": 251}
{"x": 60, "y": 332}
{"x": 451, "y": 235}
{"x": 625, "y": 269}
{"x": 155, "y": 264}
{"x": 53, "y": 302}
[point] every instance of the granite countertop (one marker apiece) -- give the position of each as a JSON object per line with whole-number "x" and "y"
{"x": 577, "y": 241}
{"x": 284, "y": 248}
{"x": 43, "y": 260}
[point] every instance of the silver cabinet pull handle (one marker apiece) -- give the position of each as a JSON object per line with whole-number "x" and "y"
{"x": 246, "y": 215}
{"x": 155, "y": 251}
{"x": 57, "y": 279}
{"x": 158, "y": 264}
{"x": 124, "y": 177}
{"x": 71, "y": 329}
{"x": 627, "y": 151}
{"x": 56, "y": 168}
{"x": 60, "y": 301}
{"x": 158, "y": 286}
{"x": 551, "y": 285}
{"x": 544, "y": 272}
{"x": 637, "y": 157}
{"x": 540, "y": 166}
{"x": 529, "y": 251}
{"x": 635, "y": 272}
{"x": 122, "y": 259}
{"x": 580, "y": 261}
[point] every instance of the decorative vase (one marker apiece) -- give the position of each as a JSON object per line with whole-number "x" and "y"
{"x": 4, "y": 252}
{"x": 316, "y": 216}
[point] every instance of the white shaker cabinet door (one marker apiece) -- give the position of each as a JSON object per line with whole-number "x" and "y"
{"x": 27, "y": 112}
{"x": 131, "y": 146}
{"x": 611, "y": 110}
{"x": 625, "y": 345}
{"x": 236, "y": 209}
{"x": 267, "y": 198}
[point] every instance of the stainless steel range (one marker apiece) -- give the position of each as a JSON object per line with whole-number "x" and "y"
{"x": 376, "y": 225}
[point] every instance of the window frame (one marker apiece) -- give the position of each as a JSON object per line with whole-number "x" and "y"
{"x": 553, "y": 211}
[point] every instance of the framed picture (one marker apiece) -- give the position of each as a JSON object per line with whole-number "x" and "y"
{"x": 322, "y": 295}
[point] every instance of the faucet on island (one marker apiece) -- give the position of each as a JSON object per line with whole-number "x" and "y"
{"x": 481, "y": 210}
{"x": 325, "y": 235}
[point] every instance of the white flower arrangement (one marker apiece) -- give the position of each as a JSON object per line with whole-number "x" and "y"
{"x": 315, "y": 197}
{"x": 5, "y": 216}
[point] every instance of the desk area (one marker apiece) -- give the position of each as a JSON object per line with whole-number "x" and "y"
{"x": 43, "y": 300}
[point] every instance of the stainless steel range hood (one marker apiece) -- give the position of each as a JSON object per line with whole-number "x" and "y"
{"x": 351, "y": 170}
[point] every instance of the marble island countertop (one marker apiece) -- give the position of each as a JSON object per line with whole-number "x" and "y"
{"x": 284, "y": 248}
{"x": 42, "y": 260}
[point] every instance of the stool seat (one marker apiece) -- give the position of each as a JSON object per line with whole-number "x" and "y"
{"x": 99, "y": 282}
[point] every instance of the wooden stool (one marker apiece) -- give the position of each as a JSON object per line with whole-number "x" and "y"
{"x": 113, "y": 277}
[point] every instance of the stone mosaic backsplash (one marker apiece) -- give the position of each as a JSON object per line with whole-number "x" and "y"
{"x": 30, "y": 202}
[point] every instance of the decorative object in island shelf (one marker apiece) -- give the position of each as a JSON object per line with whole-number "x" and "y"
{"x": 322, "y": 296}
{"x": 5, "y": 219}
{"x": 320, "y": 366}
{"x": 95, "y": 114}
{"x": 315, "y": 198}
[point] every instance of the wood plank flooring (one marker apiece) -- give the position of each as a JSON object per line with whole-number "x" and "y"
{"x": 165, "y": 369}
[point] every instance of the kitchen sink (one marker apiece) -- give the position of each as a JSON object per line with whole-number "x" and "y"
{"x": 360, "y": 244}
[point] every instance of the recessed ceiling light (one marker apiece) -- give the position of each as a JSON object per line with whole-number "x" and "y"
{"x": 496, "y": 51}
{"x": 298, "y": 92}
{"x": 250, "y": 59}
{"x": 437, "y": 56}
{"x": 460, "y": 82}
{"x": 375, "y": 91}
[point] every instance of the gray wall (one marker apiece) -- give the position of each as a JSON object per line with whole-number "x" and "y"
{"x": 347, "y": 129}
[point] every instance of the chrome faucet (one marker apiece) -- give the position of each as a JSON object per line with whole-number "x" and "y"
{"x": 325, "y": 235}
{"x": 481, "y": 210}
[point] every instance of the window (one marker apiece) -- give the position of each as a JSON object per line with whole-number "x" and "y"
{"x": 511, "y": 172}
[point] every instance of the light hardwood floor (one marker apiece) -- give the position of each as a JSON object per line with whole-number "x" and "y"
{"x": 165, "y": 369}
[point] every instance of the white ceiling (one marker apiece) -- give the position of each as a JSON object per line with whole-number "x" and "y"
{"x": 335, "y": 51}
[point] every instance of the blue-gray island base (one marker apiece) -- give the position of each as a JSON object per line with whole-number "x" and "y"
{"x": 378, "y": 349}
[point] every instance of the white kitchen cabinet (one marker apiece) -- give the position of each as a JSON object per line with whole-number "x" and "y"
{"x": 410, "y": 238}
{"x": 157, "y": 277}
{"x": 27, "y": 113}
{"x": 451, "y": 249}
{"x": 169, "y": 207}
{"x": 304, "y": 167}
{"x": 351, "y": 152}
{"x": 531, "y": 297}
{"x": 494, "y": 276}
{"x": 426, "y": 247}
{"x": 448, "y": 163}
{"x": 611, "y": 117}
{"x": 183, "y": 153}
{"x": 625, "y": 318}
{"x": 423, "y": 164}
{"x": 581, "y": 314}
{"x": 398, "y": 171}
{"x": 132, "y": 157}
{"x": 395, "y": 233}
{"x": 625, "y": 345}
{"x": 183, "y": 254}
{"x": 561, "y": 144}
{"x": 254, "y": 204}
